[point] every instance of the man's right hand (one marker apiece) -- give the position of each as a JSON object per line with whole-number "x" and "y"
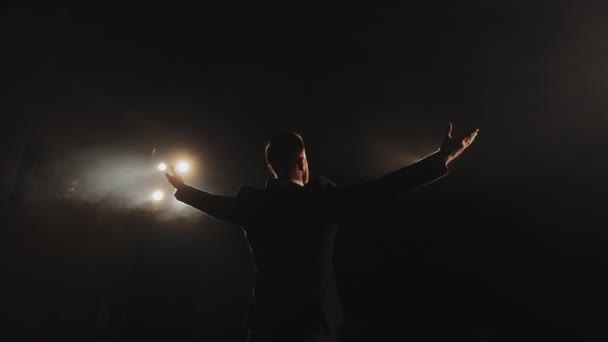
{"x": 451, "y": 147}
{"x": 176, "y": 180}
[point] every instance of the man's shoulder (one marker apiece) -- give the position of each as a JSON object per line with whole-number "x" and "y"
{"x": 321, "y": 183}
{"x": 317, "y": 183}
{"x": 248, "y": 190}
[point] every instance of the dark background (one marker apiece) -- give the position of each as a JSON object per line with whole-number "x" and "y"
{"x": 510, "y": 245}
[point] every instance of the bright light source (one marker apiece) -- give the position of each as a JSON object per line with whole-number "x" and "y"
{"x": 162, "y": 166}
{"x": 183, "y": 167}
{"x": 158, "y": 195}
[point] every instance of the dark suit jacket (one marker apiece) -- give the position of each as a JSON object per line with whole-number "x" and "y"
{"x": 292, "y": 229}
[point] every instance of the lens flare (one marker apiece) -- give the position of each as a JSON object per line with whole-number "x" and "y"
{"x": 162, "y": 167}
{"x": 183, "y": 166}
{"x": 158, "y": 195}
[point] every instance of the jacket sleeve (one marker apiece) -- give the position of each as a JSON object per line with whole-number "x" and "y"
{"x": 345, "y": 200}
{"x": 224, "y": 208}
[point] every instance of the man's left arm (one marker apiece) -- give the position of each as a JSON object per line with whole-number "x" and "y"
{"x": 224, "y": 208}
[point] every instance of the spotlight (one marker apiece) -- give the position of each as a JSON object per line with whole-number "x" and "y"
{"x": 162, "y": 167}
{"x": 158, "y": 195}
{"x": 183, "y": 167}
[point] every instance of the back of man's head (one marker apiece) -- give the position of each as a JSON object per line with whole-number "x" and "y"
{"x": 282, "y": 153}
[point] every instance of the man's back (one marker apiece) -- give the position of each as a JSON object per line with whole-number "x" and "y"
{"x": 292, "y": 232}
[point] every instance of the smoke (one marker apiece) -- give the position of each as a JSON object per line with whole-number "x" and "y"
{"x": 110, "y": 177}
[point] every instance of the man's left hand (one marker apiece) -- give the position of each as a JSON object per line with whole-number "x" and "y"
{"x": 175, "y": 179}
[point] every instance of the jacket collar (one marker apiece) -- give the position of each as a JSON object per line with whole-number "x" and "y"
{"x": 281, "y": 183}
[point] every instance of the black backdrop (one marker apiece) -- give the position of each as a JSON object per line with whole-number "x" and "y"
{"x": 509, "y": 245}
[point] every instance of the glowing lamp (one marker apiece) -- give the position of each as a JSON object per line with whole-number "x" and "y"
{"x": 162, "y": 167}
{"x": 158, "y": 195}
{"x": 183, "y": 167}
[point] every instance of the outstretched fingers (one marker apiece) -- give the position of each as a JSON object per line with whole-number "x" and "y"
{"x": 469, "y": 140}
{"x": 448, "y": 133}
{"x": 173, "y": 177}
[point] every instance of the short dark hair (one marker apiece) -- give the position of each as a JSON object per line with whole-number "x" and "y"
{"x": 282, "y": 151}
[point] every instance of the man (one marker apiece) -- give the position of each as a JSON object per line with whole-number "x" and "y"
{"x": 291, "y": 226}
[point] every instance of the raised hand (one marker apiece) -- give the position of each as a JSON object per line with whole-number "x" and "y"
{"x": 451, "y": 147}
{"x": 176, "y": 180}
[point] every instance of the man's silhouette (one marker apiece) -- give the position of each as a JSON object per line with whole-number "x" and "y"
{"x": 291, "y": 226}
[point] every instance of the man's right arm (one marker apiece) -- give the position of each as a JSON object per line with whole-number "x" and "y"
{"x": 344, "y": 200}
